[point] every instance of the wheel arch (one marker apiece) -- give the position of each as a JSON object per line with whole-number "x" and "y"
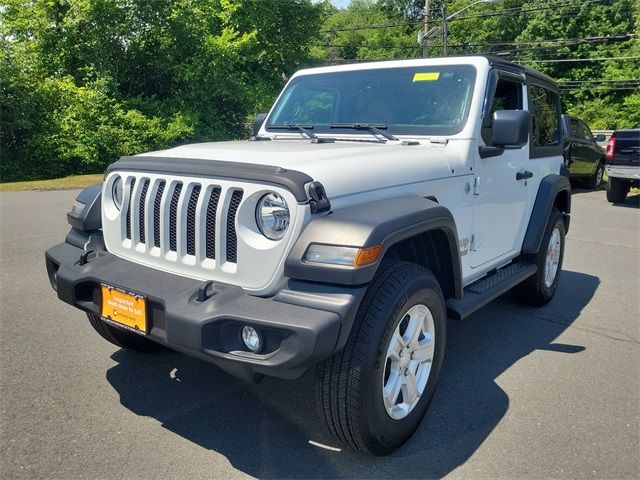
{"x": 554, "y": 192}
{"x": 409, "y": 228}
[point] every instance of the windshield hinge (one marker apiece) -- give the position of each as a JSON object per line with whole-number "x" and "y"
{"x": 319, "y": 202}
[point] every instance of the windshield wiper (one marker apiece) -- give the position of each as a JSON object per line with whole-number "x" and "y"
{"x": 375, "y": 129}
{"x": 304, "y": 129}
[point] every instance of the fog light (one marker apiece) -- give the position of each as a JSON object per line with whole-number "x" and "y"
{"x": 251, "y": 339}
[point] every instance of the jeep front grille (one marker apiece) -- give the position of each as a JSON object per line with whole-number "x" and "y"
{"x": 197, "y": 227}
{"x": 181, "y": 201}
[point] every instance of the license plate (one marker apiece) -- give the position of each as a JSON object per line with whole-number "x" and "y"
{"x": 124, "y": 308}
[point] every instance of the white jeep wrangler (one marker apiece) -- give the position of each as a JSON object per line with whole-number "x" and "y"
{"x": 373, "y": 202}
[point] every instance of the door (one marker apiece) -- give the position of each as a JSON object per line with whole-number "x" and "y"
{"x": 593, "y": 153}
{"x": 584, "y": 151}
{"x": 500, "y": 199}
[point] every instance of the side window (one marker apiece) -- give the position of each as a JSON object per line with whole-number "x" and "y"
{"x": 575, "y": 129}
{"x": 508, "y": 96}
{"x": 545, "y": 117}
{"x": 586, "y": 132}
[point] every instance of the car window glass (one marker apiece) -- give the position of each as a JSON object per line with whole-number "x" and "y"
{"x": 586, "y": 132}
{"x": 575, "y": 129}
{"x": 545, "y": 116}
{"x": 508, "y": 96}
{"x": 423, "y": 100}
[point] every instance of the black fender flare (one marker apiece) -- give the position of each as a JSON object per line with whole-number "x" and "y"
{"x": 382, "y": 222}
{"x": 554, "y": 190}
{"x": 90, "y": 217}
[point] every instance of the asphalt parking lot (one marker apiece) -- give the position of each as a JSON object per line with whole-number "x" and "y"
{"x": 550, "y": 392}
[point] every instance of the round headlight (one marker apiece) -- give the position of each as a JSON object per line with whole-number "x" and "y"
{"x": 117, "y": 192}
{"x": 272, "y": 216}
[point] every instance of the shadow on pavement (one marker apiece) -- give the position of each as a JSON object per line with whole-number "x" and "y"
{"x": 264, "y": 430}
{"x": 632, "y": 200}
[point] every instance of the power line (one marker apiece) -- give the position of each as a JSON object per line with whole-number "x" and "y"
{"x": 554, "y": 43}
{"x": 563, "y": 60}
{"x": 571, "y": 4}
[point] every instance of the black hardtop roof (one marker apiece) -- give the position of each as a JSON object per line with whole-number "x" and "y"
{"x": 516, "y": 67}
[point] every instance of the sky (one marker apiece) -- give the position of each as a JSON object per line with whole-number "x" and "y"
{"x": 338, "y": 3}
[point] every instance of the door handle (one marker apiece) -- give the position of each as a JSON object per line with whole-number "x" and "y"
{"x": 524, "y": 175}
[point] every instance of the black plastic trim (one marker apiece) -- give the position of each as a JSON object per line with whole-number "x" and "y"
{"x": 461, "y": 308}
{"x": 383, "y": 222}
{"x": 550, "y": 187}
{"x": 304, "y": 322}
{"x": 488, "y": 152}
{"x": 86, "y": 240}
{"x": 291, "y": 179}
{"x": 91, "y": 216}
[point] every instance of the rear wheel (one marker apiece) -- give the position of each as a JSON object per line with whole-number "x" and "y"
{"x": 375, "y": 392}
{"x": 121, "y": 338}
{"x": 617, "y": 190}
{"x": 596, "y": 179}
{"x": 540, "y": 288}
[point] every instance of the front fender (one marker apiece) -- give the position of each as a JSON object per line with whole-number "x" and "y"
{"x": 383, "y": 222}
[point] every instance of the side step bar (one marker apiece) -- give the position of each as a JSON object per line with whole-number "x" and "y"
{"x": 478, "y": 294}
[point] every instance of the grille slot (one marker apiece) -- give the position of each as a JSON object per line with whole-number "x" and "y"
{"x": 191, "y": 220}
{"x": 143, "y": 198}
{"x": 156, "y": 214}
{"x": 232, "y": 237}
{"x": 173, "y": 218}
{"x": 131, "y": 185}
{"x": 212, "y": 207}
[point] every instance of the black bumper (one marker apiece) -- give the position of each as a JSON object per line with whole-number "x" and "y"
{"x": 301, "y": 325}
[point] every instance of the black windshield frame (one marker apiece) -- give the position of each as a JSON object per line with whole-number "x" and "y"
{"x": 397, "y": 93}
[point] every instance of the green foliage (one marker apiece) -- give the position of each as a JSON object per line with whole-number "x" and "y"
{"x": 85, "y": 81}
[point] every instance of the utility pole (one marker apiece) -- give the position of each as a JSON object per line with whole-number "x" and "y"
{"x": 445, "y": 47}
{"x": 425, "y": 39}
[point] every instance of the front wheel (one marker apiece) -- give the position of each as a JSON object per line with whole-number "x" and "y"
{"x": 375, "y": 392}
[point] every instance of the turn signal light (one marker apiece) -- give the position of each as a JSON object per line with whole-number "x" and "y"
{"x": 367, "y": 256}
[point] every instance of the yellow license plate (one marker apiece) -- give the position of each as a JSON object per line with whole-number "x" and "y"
{"x": 124, "y": 308}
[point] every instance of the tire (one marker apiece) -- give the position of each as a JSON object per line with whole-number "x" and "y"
{"x": 596, "y": 179}
{"x": 121, "y": 338}
{"x": 539, "y": 289}
{"x": 352, "y": 380}
{"x": 617, "y": 190}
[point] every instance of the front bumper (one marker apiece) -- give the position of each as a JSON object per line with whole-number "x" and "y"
{"x": 302, "y": 324}
{"x": 629, "y": 172}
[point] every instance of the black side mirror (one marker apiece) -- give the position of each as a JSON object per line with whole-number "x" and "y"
{"x": 510, "y": 128}
{"x": 601, "y": 138}
{"x": 257, "y": 123}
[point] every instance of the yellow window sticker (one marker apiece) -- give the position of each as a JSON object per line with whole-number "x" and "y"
{"x": 426, "y": 76}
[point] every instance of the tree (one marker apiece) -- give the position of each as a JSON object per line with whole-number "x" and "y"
{"x": 104, "y": 78}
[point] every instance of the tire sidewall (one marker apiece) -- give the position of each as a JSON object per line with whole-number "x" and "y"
{"x": 598, "y": 176}
{"x": 390, "y": 433}
{"x": 555, "y": 220}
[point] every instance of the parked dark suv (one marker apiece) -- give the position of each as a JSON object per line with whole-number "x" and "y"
{"x": 582, "y": 155}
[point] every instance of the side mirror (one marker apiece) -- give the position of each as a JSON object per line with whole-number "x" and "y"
{"x": 510, "y": 128}
{"x": 600, "y": 137}
{"x": 257, "y": 122}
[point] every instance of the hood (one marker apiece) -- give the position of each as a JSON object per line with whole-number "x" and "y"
{"x": 343, "y": 167}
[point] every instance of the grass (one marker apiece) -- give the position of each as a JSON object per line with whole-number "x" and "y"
{"x": 67, "y": 183}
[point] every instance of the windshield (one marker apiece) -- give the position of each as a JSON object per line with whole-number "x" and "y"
{"x": 430, "y": 100}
